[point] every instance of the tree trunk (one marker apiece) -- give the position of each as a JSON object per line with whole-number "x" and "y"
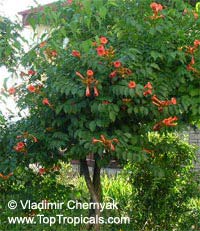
{"x": 97, "y": 186}
{"x": 97, "y": 179}
{"x": 94, "y": 187}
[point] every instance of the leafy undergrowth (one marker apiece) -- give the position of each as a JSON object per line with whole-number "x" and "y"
{"x": 67, "y": 185}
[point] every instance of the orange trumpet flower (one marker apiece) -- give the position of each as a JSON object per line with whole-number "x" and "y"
{"x": 107, "y": 143}
{"x": 4, "y": 177}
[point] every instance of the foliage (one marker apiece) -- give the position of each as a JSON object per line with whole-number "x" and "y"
{"x": 67, "y": 112}
{"x": 37, "y": 186}
{"x": 57, "y": 186}
{"x": 10, "y": 42}
{"x": 164, "y": 187}
{"x": 155, "y": 197}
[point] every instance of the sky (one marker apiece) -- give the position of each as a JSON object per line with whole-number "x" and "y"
{"x": 10, "y": 8}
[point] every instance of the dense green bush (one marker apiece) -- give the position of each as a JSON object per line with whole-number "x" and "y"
{"x": 62, "y": 185}
{"x": 152, "y": 193}
{"x": 164, "y": 187}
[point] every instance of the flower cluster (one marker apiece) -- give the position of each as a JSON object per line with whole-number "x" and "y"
{"x": 29, "y": 73}
{"x": 156, "y": 8}
{"x": 162, "y": 103}
{"x": 12, "y": 90}
{"x": 120, "y": 70}
{"x": 108, "y": 144}
{"x": 38, "y": 169}
{"x": 27, "y": 135}
{"x": 34, "y": 89}
{"x": 90, "y": 82}
{"x": 191, "y": 51}
{"x": 168, "y": 122}
{"x": 148, "y": 89}
{"x": 103, "y": 50}
{"x": 43, "y": 170}
{"x": 50, "y": 54}
{"x": 20, "y": 147}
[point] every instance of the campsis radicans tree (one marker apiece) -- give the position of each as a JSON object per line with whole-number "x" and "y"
{"x": 117, "y": 79}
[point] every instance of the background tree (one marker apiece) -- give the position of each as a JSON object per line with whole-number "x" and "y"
{"x": 10, "y": 42}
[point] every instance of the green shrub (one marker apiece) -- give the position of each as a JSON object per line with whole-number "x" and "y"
{"x": 165, "y": 194}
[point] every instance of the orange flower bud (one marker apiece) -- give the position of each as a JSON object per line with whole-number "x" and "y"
{"x": 117, "y": 64}
{"x": 101, "y": 50}
{"x": 90, "y": 73}
{"x": 12, "y": 91}
{"x": 42, "y": 44}
{"x": 94, "y": 141}
{"x": 195, "y": 15}
{"x": 96, "y": 92}
{"x": 45, "y": 101}
{"x": 19, "y": 147}
{"x": 31, "y": 72}
{"x": 173, "y": 100}
{"x": 42, "y": 171}
{"x": 148, "y": 85}
{"x": 132, "y": 84}
{"x": 54, "y": 53}
{"x": 76, "y": 53}
{"x": 103, "y": 40}
{"x": 87, "y": 93}
{"x": 113, "y": 74}
{"x": 148, "y": 92}
{"x": 31, "y": 88}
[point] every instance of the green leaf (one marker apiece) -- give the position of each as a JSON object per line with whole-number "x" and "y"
{"x": 155, "y": 66}
{"x": 130, "y": 156}
{"x": 92, "y": 126}
{"x": 130, "y": 110}
{"x": 135, "y": 109}
{"x": 58, "y": 109}
{"x": 86, "y": 45}
{"x": 112, "y": 3}
{"x": 195, "y": 92}
{"x": 102, "y": 12}
{"x": 116, "y": 108}
{"x": 156, "y": 55}
{"x": 112, "y": 116}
